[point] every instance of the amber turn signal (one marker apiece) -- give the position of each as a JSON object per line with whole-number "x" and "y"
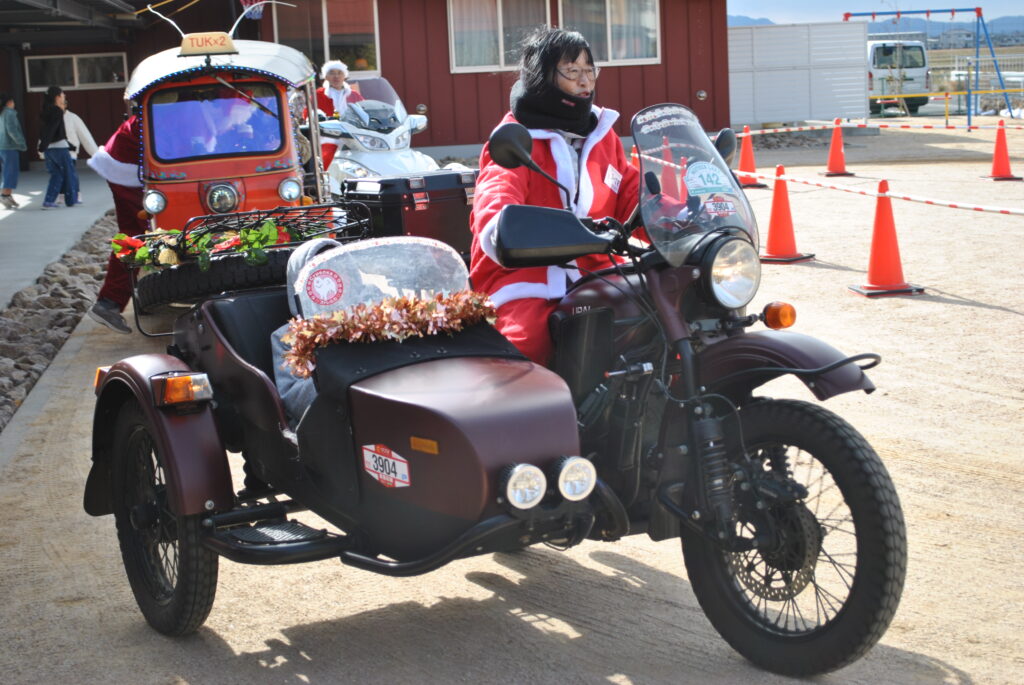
{"x": 307, "y": 200}
{"x": 101, "y": 373}
{"x": 173, "y": 388}
{"x": 143, "y": 214}
{"x": 778, "y": 315}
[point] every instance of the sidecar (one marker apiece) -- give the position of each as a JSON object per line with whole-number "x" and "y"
{"x": 412, "y": 454}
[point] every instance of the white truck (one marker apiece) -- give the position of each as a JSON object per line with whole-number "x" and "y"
{"x": 895, "y": 68}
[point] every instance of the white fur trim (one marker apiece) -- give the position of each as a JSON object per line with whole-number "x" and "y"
{"x": 519, "y": 291}
{"x": 488, "y": 236}
{"x": 331, "y": 65}
{"x": 120, "y": 173}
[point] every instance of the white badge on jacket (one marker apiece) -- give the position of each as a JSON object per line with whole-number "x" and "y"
{"x": 612, "y": 178}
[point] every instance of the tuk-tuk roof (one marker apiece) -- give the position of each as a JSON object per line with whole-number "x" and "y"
{"x": 277, "y": 61}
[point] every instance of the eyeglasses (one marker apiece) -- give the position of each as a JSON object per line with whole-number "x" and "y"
{"x": 574, "y": 73}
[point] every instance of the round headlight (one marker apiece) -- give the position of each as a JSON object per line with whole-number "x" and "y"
{"x": 222, "y": 198}
{"x": 290, "y": 190}
{"x": 576, "y": 478}
{"x": 154, "y": 201}
{"x": 735, "y": 273}
{"x": 525, "y": 486}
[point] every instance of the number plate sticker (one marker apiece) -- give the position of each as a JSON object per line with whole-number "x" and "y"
{"x": 720, "y": 206}
{"x": 703, "y": 178}
{"x": 386, "y": 467}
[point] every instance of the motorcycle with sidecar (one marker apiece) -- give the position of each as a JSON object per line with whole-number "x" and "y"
{"x": 419, "y": 451}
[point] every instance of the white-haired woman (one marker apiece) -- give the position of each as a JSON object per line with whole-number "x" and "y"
{"x": 332, "y": 99}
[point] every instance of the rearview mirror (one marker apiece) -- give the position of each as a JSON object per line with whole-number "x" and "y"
{"x": 417, "y": 123}
{"x": 510, "y": 145}
{"x": 725, "y": 143}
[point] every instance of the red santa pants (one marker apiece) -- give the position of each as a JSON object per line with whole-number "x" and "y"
{"x": 525, "y": 323}
{"x": 127, "y": 205}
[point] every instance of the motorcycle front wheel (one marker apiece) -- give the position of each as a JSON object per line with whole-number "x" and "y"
{"x": 173, "y": 577}
{"x": 825, "y": 589}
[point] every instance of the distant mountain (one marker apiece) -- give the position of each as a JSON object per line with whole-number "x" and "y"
{"x": 937, "y": 28}
{"x": 740, "y": 20}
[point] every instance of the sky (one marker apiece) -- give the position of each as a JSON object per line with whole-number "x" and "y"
{"x": 801, "y": 11}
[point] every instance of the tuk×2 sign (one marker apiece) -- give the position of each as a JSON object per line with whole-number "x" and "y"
{"x": 386, "y": 467}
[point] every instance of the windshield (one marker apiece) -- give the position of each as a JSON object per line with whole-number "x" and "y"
{"x": 899, "y": 56}
{"x": 367, "y": 271}
{"x": 380, "y": 109}
{"x": 215, "y": 120}
{"x": 686, "y": 189}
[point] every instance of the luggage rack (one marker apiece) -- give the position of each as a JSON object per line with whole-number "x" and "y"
{"x": 347, "y": 220}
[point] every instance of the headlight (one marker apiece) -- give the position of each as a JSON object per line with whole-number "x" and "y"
{"x": 524, "y": 486}
{"x": 734, "y": 273}
{"x": 290, "y": 190}
{"x": 402, "y": 140}
{"x": 222, "y": 198}
{"x": 154, "y": 201}
{"x": 373, "y": 142}
{"x": 350, "y": 168}
{"x": 576, "y": 478}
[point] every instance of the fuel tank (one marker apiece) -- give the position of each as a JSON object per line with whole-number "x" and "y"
{"x": 630, "y": 326}
{"x": 432, "y": 439}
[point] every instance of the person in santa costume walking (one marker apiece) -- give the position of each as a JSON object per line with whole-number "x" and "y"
{"x": 118, "y": 163}
{"x": 573, "y": 141}
{"x": 332, "y": 99}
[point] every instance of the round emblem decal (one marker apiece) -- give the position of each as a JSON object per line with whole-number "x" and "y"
{"x": 324, "y": 287}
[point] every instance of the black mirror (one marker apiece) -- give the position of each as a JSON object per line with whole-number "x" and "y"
{"x": 510, "y": 145}
{"x": 725, "y": 143}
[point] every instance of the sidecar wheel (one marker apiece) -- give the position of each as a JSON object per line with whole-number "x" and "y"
{"x": 173, "y": 577}
{"x": 188, "y": 283}
{"x": 828, "y": 587}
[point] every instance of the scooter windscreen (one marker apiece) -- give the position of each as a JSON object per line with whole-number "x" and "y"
{"x": 687, "y": 191}
{"x": 380, "y": 109}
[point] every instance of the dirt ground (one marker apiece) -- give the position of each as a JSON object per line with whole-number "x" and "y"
{"x": 946, "y": 419}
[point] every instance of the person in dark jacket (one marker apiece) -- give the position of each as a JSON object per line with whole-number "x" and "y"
{"x": 53, "y": 143}
{"x": 12, "y": 143}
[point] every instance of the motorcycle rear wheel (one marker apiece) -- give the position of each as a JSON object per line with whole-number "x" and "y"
{"x": 173, "y": 577}
{"x": 827, "y": 593}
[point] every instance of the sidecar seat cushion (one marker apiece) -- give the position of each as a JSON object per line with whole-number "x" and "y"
{"x": 247, "y": 319}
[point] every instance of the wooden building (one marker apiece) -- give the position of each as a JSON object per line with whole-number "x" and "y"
{"x": 456, "y": 58}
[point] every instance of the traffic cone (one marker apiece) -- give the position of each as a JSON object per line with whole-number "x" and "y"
{"x": 634, "y": 158}
{"x": 747, "y": 162}
{"x": 836, "y": 156}
{"x": 1001, "y": 158}
{"x": 781, "y": 245}
{"x": 885, "y": 274}
{"x": 684, "y": 192}
{"x": 668, "y": 172}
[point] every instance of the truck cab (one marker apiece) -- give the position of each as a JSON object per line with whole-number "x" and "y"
{"x": 895, "y": 68}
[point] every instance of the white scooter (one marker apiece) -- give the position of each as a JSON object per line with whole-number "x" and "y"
{"x": 373, "y": 137}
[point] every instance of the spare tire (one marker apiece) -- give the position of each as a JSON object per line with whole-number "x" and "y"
{"x": 187, "y": 283}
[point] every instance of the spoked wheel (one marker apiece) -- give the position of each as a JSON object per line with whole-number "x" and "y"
{"x": 173, "y": 577}
{"x": 824, "y": 580}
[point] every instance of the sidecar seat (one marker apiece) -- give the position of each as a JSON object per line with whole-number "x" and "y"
{"x": 246, "y": 321}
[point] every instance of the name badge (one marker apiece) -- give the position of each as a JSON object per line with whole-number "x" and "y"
{"x": 612, "y": 178}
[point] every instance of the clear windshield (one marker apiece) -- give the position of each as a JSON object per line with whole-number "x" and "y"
{"x": 215, "y": 120}
{"x": 367, "y": 271}
{"x": 380, "y": 109}
{"x": 899, "y": 56}
{"x": 686, "y": 189}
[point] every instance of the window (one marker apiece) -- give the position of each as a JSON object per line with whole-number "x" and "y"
{"x": 485, "y": 35}
{"x": 332, "y": 29}
{"x": 105, "y": 70}
{"x": 619, "y": 31}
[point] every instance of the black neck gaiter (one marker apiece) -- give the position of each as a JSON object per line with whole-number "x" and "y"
{"x": 551, "y": 108}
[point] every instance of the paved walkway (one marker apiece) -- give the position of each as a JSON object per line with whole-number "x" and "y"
{"x": 33, "y": 238}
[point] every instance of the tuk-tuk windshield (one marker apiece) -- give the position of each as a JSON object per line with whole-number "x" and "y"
{"x": 215, "y": 121}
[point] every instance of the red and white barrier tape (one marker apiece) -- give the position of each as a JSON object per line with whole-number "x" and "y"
{"x": 850, "y": 124}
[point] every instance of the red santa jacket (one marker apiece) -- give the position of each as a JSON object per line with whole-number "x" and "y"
{"x": 608, "y": 187}
{"x": 326, "y": 105}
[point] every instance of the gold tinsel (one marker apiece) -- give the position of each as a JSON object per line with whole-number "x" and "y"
{"x": 394, "y": 318}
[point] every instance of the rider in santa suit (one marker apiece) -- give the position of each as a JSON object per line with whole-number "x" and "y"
{"x": 574, "y": 142}
{"x": 332, "y": 99}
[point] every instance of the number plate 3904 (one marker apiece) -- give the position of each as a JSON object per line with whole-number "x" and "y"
{"x": 385, "y": 466}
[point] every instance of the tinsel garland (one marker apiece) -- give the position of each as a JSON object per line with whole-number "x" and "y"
{"x": 393, "y": 318}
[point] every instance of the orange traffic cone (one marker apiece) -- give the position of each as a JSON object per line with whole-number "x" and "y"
{"x": 781, "y": 245}
{"x": 885, "y": 273}
{"x": 634, "y": 158}
{"x": 1001, "y": 158}
{"x": 836, "y": 156}
{"x": 747, "y": 162}
{"x": 668, "y": 172}
{"x": 684, "y": 192}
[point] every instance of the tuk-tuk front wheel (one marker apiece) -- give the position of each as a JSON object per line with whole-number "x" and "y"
{"x": 173, "y": 577}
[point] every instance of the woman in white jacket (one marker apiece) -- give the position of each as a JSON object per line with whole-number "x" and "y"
{"x": 80, "y": 138}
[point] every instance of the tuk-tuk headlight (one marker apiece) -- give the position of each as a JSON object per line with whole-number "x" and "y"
{"x": 373, "y": 142}
{"x": 576, "y": 478}
{"x": 290, "y": 190}
{"x": 734, "y": 272}
{"x": 524, "y": 486}
{"x": 222, "y": 198}
{"x": 154, "y": 201}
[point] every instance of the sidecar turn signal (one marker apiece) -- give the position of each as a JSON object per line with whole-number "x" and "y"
{"x": 778, "y": 315}
{"x": 101, "y": 373}
{"x": 524, "y": 485}
{"x": 177, "y": 388}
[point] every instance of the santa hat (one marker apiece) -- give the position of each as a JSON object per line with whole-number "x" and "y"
{"x": 119, "y": 159}
{"x": 334, "y": 65}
